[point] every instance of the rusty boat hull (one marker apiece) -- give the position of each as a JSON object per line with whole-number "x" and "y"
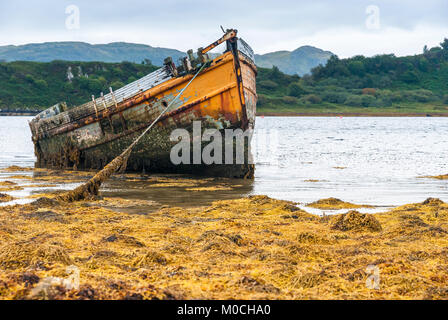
{"x": 223, "y": 96}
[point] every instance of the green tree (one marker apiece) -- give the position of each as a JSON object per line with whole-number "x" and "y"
{"x": 41, "y": 84}
{"x": 29, "y": 78}
{"x": 268, "y": 84}
{"x": 356, "y": 68}
{"x": 116, "y": 85}
{"x": 444, "y": 44}
{"x": 290, "y": 100}
{"x": 131, "y": 79}
{"x": 103, "y": 81}
{"x": 94, "y": 85}
{"x": 296, "y": 90}
{"x": 445, "y": 99}
{"x": 423, "y": 64}
{"x": 409, "y": 76}
{"x": 312, "y": 98}
{"x": 354, "y": 101}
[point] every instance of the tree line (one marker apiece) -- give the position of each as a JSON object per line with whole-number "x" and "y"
{"x": 382, "y": 81}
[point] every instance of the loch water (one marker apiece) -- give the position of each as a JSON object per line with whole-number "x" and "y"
{"x": 366, "y": 160}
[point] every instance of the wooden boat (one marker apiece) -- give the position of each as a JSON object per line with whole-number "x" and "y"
{"x": 223, "y": 96}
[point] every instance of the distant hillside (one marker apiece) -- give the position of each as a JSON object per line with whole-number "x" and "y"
{"x": 385, "y": 83}
{"x": 359, "y": 85}
{"x": 38, "y": 85}
{"x": 80, "y": 51}
{"x": 299, "y": 61}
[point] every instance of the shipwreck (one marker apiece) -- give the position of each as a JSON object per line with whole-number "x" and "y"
{"x": 222, "y": 96}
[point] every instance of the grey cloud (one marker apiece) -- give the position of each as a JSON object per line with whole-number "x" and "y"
{"x": 194, "y": 20}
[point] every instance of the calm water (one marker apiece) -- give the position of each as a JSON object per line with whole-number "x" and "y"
{"x": 363, "y": 160}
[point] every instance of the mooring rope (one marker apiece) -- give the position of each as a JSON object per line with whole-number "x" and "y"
{"x": 91, "y": 187}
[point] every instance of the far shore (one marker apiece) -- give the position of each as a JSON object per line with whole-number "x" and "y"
{"x": 302, "y": 114}
{"x": 18, "y": 114}
{"x": 350, "y": 114}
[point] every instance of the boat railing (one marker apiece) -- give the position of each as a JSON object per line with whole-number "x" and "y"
{"x": 105, "y": 101}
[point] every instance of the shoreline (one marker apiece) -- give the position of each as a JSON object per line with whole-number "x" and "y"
{"x": 300, "y": 114}
{"x": 348, "y": 114}
{"x": 18, "y": 114}
{"x": 251, "y": 248}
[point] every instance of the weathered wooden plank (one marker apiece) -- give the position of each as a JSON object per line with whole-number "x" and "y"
{"x": 49, "y": 120}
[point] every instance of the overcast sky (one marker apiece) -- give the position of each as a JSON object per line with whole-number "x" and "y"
{"x": 345, "y": 27}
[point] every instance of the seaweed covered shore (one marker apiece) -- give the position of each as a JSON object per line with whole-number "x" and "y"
{"x": 249, "y": 248}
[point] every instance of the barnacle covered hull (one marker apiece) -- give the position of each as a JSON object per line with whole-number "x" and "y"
{"x": 223, "y": 96}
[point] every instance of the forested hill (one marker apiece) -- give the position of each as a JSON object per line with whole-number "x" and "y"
{"x": 413, "y": 84}
{"x": 81, "y": 51}
{"x": 299, "y": 61}
{"x": 38, "y": 85}
{"x": 382, "y": 83}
